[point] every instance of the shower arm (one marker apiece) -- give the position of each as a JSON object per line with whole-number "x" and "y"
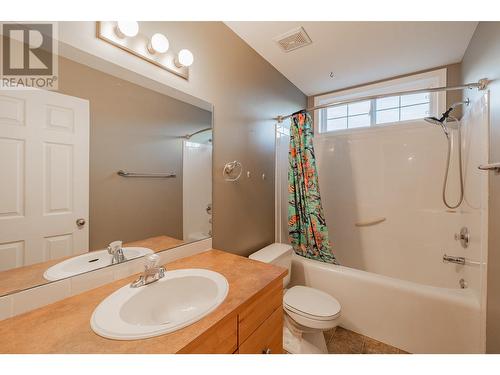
{"x": 482, "y": 84}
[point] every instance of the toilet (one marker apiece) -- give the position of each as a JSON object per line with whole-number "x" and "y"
{"x": 308, "y": 311}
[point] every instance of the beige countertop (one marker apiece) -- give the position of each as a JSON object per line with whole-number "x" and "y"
{"x": 21, "y": 278}
{"x": 64, "y": 326}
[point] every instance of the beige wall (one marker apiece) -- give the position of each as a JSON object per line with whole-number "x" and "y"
{"x": 247, "y": 93}
{"x": 136, "y": 129}
{"x": 482, "y": 59}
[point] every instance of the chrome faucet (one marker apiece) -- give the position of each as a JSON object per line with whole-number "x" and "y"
{"x": 152, "y": 272}
{"x": 116, "y": 250}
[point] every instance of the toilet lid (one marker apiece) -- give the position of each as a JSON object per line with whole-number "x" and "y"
{"x": 311, "y": 302}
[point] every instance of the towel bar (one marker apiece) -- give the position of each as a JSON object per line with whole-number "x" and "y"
{"x": 150, "y": 175}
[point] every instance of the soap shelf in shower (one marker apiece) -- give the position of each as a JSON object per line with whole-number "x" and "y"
{"x": 370, "y": 222}
{"x": 490, "y": 167}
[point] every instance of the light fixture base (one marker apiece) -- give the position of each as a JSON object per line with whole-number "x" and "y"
{"x": 119, "y": 33}
{"x": 151, "y": 50}
{"x": 177, "y": 63}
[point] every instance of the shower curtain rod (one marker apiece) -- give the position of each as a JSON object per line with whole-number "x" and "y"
{"x": 187, "y": 136}
{"x": 480, "y": 85}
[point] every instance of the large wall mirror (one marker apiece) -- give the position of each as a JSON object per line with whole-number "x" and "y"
{"x": 98, "y": 161}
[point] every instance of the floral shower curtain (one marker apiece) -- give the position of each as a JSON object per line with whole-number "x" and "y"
{"x": 307, "y": 229}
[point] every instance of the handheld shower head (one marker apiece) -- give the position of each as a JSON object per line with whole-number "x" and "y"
{"x": 442, "y": 120}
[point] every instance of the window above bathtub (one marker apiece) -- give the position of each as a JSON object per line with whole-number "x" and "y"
{"x": 385, "y": 111}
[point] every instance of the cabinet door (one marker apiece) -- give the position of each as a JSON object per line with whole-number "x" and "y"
{"x": 220, "y": 339}
{"x": 259, "y": 310}
{"x": 268, "y": 338}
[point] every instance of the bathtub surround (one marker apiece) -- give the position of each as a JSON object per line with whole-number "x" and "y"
{"x": 482, "y": 59}
{"x": 247, "y": 92}
{"x": 391, "y": 176}
{"x": 307, "y": 229}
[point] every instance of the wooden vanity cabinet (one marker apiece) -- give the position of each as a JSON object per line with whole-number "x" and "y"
{"x": 260, "y": 323}
{"x": 257, "y": 328}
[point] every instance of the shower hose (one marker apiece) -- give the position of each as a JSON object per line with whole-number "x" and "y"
{"x": 448, "y": 162}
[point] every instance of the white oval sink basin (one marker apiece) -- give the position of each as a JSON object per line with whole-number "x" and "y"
{"x": 177, "y": 300}
{"x": 89, "y": 261}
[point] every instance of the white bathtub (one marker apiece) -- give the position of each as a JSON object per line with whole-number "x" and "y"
{"x": 413, "y": 317}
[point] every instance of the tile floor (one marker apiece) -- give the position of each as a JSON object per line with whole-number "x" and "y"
{"x": 343, "y": 341}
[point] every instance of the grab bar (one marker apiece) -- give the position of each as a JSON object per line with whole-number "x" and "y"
{"x": 490, "y": 167}
{"x": 123, "y": 173}
{"x": 371, "y": 222}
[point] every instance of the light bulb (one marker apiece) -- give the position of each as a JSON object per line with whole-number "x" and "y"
{"x": 184, "y": 58}
{"x": 127, "y": 29}
{"x": 158, "y": 44}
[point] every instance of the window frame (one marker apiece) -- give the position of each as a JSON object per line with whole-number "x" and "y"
{"x": 434, "y": 78}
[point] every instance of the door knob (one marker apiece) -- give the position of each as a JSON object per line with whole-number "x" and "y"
{"x": 80, "y": 222}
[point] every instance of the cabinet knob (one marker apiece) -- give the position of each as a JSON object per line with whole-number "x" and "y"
{"x": 266, "y": 351}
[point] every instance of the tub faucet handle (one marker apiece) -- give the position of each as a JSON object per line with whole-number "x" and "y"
{"x": 151, "y": 261}
{"x": 463, "y": 237}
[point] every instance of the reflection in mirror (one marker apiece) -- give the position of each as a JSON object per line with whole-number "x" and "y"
{"x": 64, "y": 207}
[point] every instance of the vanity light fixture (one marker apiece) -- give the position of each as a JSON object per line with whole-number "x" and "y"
{"x": 158, "y": 44}
{"x": 154, "y": 48}
{"x": 127, "y": 29}
{"x": 184, "y": 58}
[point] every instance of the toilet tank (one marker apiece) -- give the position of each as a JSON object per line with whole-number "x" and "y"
{"x": 278, "y": 254}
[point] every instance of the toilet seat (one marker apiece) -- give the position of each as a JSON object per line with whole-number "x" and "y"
{"x": 311, "y": 304}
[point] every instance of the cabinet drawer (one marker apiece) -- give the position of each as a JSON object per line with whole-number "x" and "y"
{"x": 266, "y": 338}
{"x": 259, "y": 310}
{"x": 220, "y": 339}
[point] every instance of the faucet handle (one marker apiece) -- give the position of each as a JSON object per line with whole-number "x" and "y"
{"x": 152, "y": 261}
{"x": 114, "y": 246}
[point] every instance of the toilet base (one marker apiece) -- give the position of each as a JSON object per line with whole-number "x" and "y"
{"x": 304, "y": 342}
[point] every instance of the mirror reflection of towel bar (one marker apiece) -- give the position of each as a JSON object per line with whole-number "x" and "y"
{"x": 371, "y": 222}
{"x": 150, "y": 175}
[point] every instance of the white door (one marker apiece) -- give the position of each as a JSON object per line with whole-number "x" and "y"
{"x": 44, "y": 176}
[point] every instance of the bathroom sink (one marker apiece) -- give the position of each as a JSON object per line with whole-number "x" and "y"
{"x": 175, "y": 301}
{"x": 89, "y": 261}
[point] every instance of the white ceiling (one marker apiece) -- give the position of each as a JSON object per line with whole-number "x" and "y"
{"x": 357, "y": 52}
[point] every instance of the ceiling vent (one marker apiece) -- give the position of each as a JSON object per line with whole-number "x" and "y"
{"x": 293, "y": 39}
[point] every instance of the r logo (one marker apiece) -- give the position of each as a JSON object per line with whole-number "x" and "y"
{"x": 27, "y": 49}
